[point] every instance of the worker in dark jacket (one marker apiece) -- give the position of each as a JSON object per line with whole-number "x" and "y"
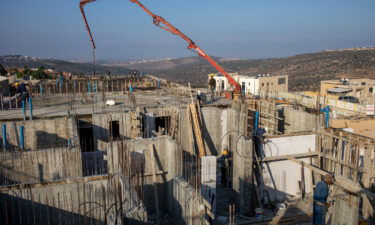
{"x": 320, "y": 199}
{"x": 22, "y": 89}
{"x": 212, "y": 84}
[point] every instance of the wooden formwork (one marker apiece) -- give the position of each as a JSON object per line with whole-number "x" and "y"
{"x": 352, "y": 157}
{"x": 268, "y": 115}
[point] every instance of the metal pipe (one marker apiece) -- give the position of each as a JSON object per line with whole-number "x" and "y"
{"x": 41, "y": 90}
{"x": 256, "y": 121}
{"x": 88, "y": 87}
{"x": 69, "y": 142}
{"x": 4, "y": 132}
{"x": 22, "y": 138}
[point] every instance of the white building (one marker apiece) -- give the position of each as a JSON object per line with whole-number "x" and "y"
{"x": 252, "y": 85}
{"x": 249, "y": 84}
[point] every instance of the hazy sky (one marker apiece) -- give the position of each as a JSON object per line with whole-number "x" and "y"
{"x": 227, "y": 28}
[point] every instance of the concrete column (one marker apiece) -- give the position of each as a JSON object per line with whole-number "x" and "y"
{"x": 243, "y": 174}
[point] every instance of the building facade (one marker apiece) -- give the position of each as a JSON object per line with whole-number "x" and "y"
{"x": 252, "y": 85}
{"x": 359, "y": 88}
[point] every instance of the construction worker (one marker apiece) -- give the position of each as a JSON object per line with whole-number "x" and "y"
{"x": 224, "y": 165}
{"x": 258, "y": 138}
{"x": 212, "y": 84}
{"x": 22, "y": 89}
{"x": 320, "y": 199}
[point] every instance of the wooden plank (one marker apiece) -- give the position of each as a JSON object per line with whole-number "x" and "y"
{"x": 197, "y": 130}
{"x": 285, "y": 157}
{"x": 337, "y": 160}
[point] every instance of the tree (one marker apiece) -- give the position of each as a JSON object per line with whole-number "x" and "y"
{"x": 39, "y": 74}
{"x": 3, "y": 72}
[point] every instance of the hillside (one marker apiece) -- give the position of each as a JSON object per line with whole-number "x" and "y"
{"x": 19, "y": 61}
{"x": 305, "y": 71}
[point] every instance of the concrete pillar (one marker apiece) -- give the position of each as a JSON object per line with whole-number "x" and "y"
{"x": 243, "y": 174}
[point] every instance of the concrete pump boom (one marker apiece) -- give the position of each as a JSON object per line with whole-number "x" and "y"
{"x": 165, "y": 25}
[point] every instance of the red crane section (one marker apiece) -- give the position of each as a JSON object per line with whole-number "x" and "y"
{"x": 81, "y": 5}
{"x": 165, "y": 25}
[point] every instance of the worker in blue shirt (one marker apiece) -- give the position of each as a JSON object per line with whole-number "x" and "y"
{"x": 320, "y": 199}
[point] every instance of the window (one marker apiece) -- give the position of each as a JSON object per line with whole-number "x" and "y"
{"x": 114, "y": 127}
{"x": 281, "y": 80}
{"x": 162, "y": 124}
{"x": 262, "y": 84}
{"x": 363, "y": 83}
{"x": 371, "y": 90}
{"x": 86, "y": 138}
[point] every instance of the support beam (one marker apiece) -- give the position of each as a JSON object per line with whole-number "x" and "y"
{"x": 285, "y": 157}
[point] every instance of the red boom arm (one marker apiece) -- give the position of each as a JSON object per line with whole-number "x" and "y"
{"x": 81, "y": 5}
{"x": 165, "y": 25}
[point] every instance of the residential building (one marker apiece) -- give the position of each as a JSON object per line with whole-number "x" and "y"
{"x": 359, "y": 88}
{"x": 253, "y": 84}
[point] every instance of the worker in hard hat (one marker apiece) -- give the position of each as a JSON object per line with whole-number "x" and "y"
{"x": 201, "y": 97}
{"x": 224, "y": 163}
{"x": 258, "y": 139}
{"x": 212, "y": 84}
{"x": 22, "y": 89}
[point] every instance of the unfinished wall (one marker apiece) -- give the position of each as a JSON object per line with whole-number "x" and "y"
{"x": 101, "y": 128}
{"x": 283, "y": 177}
{"x": 43, "y": 133}
{"x": 220, "y": 128}
{"x": 98, "y": 200}
{"x": 135, "y": 159}
{"x": 345, "y": 209}
{"x": 40, "y": 165}
{"x": 130, "y": 124}
{"x": 187, "y": 206}
{"x": 300, "y": 121}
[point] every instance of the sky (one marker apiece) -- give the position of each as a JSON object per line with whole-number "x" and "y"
{"x": 225, "y": 28}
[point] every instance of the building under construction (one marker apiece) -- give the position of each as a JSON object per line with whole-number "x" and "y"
{"x": 97, "y": 151}
{"x": 141, "y": 150}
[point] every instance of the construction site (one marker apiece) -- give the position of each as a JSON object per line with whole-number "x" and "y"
{"x": 143, "y": 150}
